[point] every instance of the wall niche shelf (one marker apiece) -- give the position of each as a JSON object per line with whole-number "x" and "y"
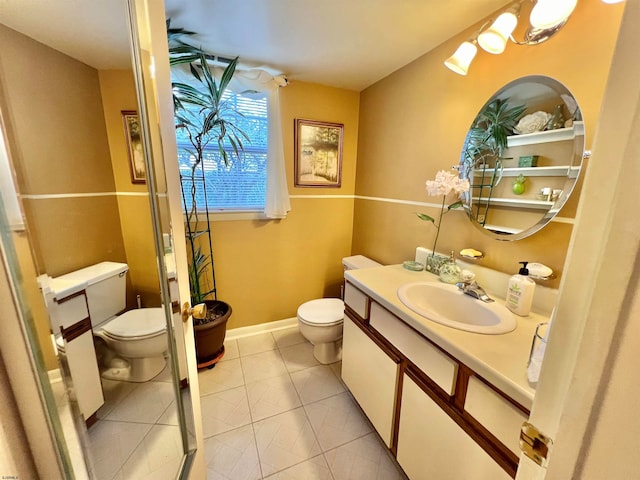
{"x": 555, "y": 171}
{"x": 517, "y": 203}
{"x": 558, "y": 135}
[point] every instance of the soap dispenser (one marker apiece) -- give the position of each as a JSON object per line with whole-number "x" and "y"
{"x": 450, "y": 271}
{"x": 520, "y": 292}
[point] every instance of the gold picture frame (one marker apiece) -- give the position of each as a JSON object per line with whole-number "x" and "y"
{"x": 135, "y": 150}
{"x": 318, "y": 153}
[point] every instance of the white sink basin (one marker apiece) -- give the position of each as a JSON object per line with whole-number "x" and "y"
{"x": 447, "y": 305}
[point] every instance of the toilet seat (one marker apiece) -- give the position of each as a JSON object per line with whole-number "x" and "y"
{"x": 136, "y": 324}
{"x": 322, "y": 312}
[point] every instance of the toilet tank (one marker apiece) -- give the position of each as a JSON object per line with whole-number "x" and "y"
{"x": 105, "y": 285}
{"x": 359, "y": 261}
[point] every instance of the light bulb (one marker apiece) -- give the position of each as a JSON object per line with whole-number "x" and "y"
{"x": 459, "y": 62}
{"x": 550, "y": 13}
{"x": 494, "y": 39}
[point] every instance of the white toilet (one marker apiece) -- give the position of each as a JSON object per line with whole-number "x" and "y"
{"x": 320, "y": 321}
{"x": 131, "y": 346}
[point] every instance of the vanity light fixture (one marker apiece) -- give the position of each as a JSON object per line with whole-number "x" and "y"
{"x": 546, "y": 18}
{"x": 494, "y": 39}
{"x": 459, "y": 62}
{"x": 613, "y": 1}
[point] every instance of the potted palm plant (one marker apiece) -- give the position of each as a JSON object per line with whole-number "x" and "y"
{"x": 484, "y": 148}
{"x": 206, "y": 128}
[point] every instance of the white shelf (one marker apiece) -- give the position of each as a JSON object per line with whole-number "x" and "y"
{"x": 501, "y": 229}
{"x": 558, "y": 135}
{"x": 557, "y": 171}
{"x": 517, "y": 203}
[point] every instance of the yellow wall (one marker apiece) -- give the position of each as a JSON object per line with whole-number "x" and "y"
{"x": 56, "y": 138}
{"x": 119, "y": 94}
{"x": 61, "y": 141}
{"x": 266, "y": 269}
{"x": 60, "y": 147}
{"x": 413, "y": 123}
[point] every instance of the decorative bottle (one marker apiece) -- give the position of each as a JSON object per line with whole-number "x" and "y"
{"x": 450, "y": 271}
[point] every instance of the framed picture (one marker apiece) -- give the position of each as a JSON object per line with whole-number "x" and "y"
{"x": 134, "y": 146}
{"x": 318, "y": 153}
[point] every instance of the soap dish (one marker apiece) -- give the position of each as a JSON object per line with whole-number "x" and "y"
{"x": 411, "y": 265}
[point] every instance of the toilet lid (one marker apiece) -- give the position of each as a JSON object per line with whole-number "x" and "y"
{"x": 137, "y": 323}
{"x": 325, "y": 311}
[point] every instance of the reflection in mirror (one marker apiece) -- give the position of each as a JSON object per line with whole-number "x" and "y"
{"x": 522, "y": 156}
{"x": 102, "y": 307}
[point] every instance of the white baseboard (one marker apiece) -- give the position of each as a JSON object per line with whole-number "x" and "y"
{"x": 240, "y": 332}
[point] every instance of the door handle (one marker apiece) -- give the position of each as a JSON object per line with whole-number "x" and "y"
{"x": 198, "y": 311}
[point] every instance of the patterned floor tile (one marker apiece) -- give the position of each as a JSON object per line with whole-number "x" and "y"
{"x": 316, "y": 383}
{"x": 337, "y": 420}
{"x": 288, "y": 337}
{"x": 224, "y": 411}
{"x": 262, "y": 342}
{"x": 232, "y": 456}
{"x": 272, "y": 396}
{"x": 313, "y": 469}
{"x": 144, "y": 404}
{"x": 111, "y": 443}
{"x": 224, "y": 376}
{"x": 299, "y": 357}
{"x": 158, "y": 457}
{"x": 285, "y": 440}
{"x": 262, "y": 365}
{"x": 363, "y": 459}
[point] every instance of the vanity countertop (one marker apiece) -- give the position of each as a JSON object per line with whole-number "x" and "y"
{"x": 499, "y": 359}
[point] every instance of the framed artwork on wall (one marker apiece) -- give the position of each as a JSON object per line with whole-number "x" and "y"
{"x": 318, "y": 153}
{"x": 134, "y": 146}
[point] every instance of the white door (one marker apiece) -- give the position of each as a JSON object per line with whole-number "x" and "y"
{"x": 587, "y": 385}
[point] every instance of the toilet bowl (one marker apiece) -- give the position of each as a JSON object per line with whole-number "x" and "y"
{"x": 136, "y": 343}
{"x": 130, "y": 347}
{"x": 320, "y": 321}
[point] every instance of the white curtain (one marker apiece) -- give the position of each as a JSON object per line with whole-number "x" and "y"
{"x": 277, "y": 202}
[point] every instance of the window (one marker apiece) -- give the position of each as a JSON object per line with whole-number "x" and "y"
{"x": 240, "y": 185}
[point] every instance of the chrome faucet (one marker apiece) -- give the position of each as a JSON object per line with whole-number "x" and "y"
{"x": 474, "y": 290}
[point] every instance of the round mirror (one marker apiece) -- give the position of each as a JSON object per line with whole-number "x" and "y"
{"x": 522, "y": 155}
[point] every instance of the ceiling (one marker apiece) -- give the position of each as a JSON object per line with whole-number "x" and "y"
{"x": 349, "y": 44}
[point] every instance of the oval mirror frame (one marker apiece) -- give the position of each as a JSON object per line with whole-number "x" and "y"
{"x": 495, "y": 154}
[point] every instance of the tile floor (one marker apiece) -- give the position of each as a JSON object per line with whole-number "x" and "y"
{"x": 137, "y": 434}
{"x": 271, "y": 411}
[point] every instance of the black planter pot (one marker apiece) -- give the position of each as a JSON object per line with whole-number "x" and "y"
{"x": 210, "y": 335}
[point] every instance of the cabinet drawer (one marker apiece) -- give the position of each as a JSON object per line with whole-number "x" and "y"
{"x": 495, "y": 413}
{"x": 427, "y": 357}
{"x": 68, "y": 311}
{"x": 356, "y": 300}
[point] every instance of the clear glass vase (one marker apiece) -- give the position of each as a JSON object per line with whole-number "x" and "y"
{"x": 434, "y": 262}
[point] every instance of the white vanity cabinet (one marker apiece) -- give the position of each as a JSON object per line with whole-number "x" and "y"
{"x": 437, "y": 416}
{"x": 71, "y": 317}
{"x": 372, "y": 377}
{"x": 370, "y": 372}
{"x": 431, "y": 445}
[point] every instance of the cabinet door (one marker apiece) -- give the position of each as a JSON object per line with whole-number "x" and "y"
{"x": 432, "y": 446}
{"x": 83, "y": 367}
{"x": 371, "y": 376}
